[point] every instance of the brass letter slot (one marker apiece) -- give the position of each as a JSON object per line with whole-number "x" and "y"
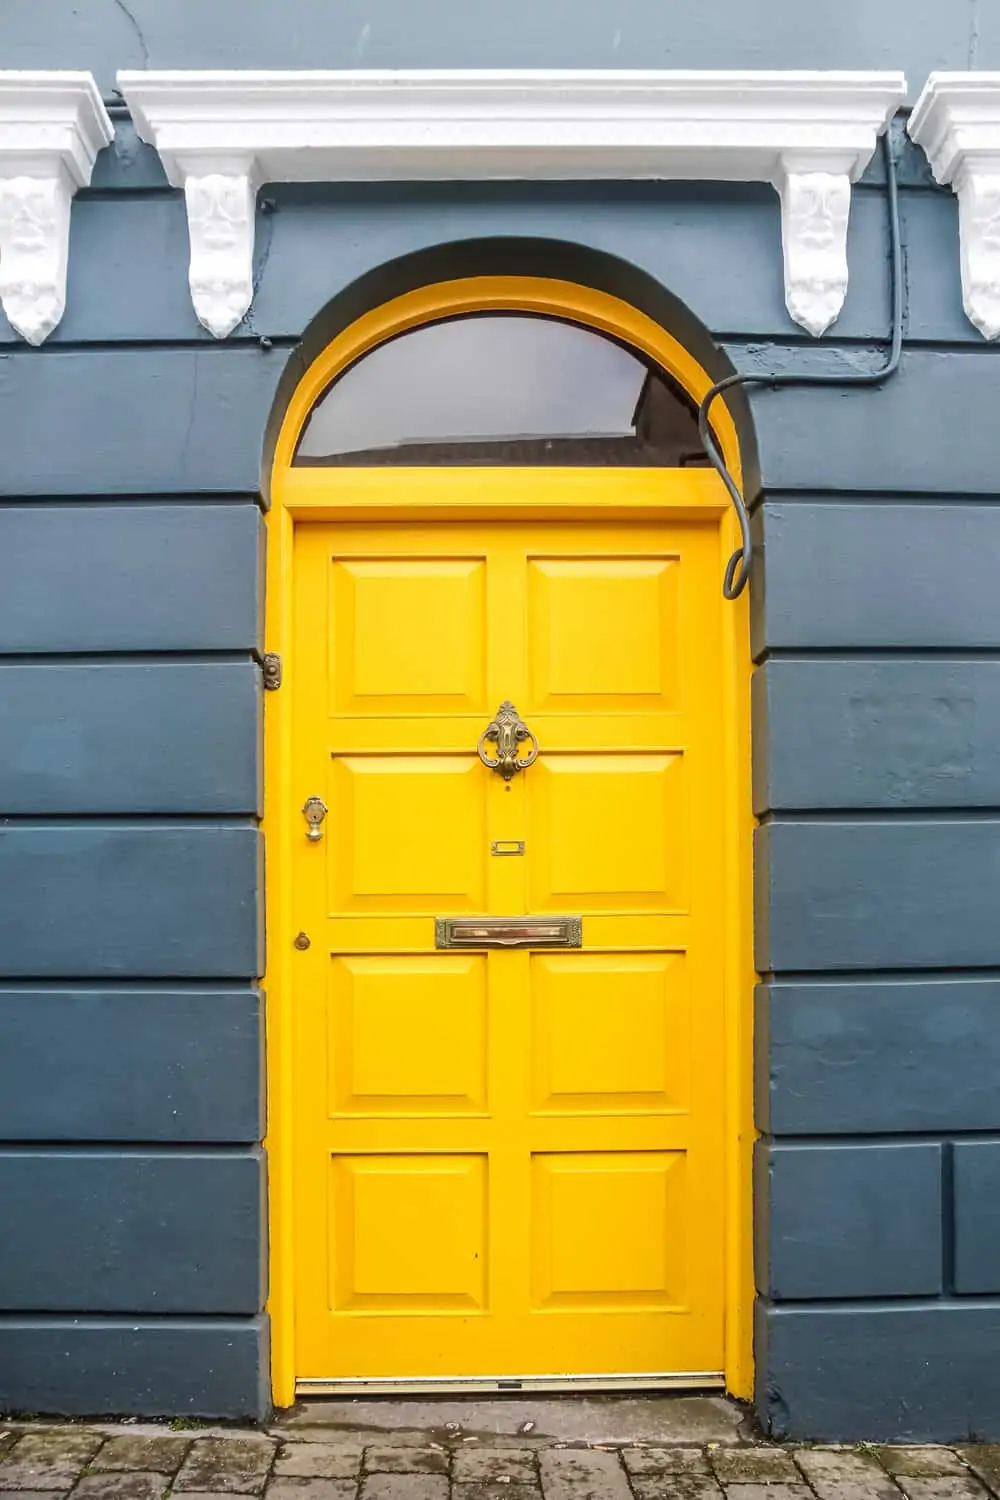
{"x": 508, "y": 932}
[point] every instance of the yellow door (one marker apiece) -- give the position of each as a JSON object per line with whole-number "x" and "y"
{"x": 508, "y": 1162}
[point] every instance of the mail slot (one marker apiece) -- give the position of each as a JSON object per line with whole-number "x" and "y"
{"x": 508, "y": 932}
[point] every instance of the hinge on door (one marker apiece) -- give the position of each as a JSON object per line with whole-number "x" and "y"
{"x": 271, "y": 665}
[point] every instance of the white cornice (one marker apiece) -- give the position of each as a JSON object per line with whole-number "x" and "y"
{"x": 52, "y": 126}
{"x": 956, "y": 121}
{"x": 219, "y": 134}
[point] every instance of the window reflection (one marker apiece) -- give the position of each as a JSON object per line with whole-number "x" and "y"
{"x": 502, "y": 388}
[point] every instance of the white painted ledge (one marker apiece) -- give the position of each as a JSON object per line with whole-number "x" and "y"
{"x": 219, "y": 134}
{"x": 52, "y": 126}
{"x": 956, "y": 121}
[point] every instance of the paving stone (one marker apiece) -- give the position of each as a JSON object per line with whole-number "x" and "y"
{"x": 487, "y": 1465}
{"x": 676, "y": 1487}
{"x": 665, "y": 1461}
{"x": 984, "y": 1460}
{"x": 329, "y": 1437}
{"x": 582, "y": 1474}
{"x": 844, "y": 1474}
{"x": 495, "y": 1490}
{"x": 921, "y": 1463}
{"x": 753, "y": 1466}
{"x": 943, "y": 1487}
{"x": 405, "y": 1487}
{"x": 226, "y": 1466}
{"x": 33, "y": 1494}
{"x": 768, "y": 1492}
{"x": 160, "y": 1455}
{"x": 405, "y": 1461}
{"x": 318, "y": 1461}
{"x": 116, "y": 1486}
{"x": 312, "y": 1489}
{"x": 51, "y": 1459}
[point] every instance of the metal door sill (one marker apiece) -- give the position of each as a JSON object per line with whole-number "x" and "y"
{"x": 505, "y": 1385}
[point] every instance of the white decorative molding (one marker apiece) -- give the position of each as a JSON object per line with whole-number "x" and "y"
{"x": 52, "y": 126}
{"x": 956, "y": 121}
{"x": 809, "y": 134}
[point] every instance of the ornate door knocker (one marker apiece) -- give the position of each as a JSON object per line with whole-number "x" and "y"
{"x": 508, "y": 733}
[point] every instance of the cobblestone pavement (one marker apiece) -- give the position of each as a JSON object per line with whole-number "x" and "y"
{"x": 311, "y": 1460}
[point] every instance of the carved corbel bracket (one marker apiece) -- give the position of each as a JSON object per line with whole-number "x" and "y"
{"x": 815, "y": 207}
{"x": 34, "y": 252}
{"x": 978, "y": 192}
{"x": 52, "y": 126}
{"x": 956, "y": 122}
{"x": 220, "y": 214}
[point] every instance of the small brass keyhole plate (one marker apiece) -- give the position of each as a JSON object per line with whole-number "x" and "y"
{"x": 314, "y": 811}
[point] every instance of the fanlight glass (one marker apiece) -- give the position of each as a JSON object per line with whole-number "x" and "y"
{"x": 502, "y": 388}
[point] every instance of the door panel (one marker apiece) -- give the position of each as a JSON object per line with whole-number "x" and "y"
{"x": 640, "y": 1269}
{"x": 433, "y": 1006}
{"x": 408, "y": 1234}
{"x": 407, "y": 634}
{"x": 509, "y": 1162}
{"x": 411, "y": 832}
{"x": 607, "y": 832}
{"x": 603, "y": 632}
{"x": 589, "y": 1055}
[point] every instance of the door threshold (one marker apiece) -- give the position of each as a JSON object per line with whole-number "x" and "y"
{"x": 456, "y": 1385}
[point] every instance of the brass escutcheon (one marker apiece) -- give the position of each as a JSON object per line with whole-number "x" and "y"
{"x": 314, "y": 811}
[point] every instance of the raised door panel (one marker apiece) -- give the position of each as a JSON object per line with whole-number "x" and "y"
{"x": 604, "y": 633}
{"x": 407, "y": 635}
{"x": 608, "y": 1230}
{"x": 608, "y": 832}
{"x": 610, "y": 1033}
{"x": 408, "y": 833}
{"x": 408, "y": 1234}
{"x": 407, "y": 1034}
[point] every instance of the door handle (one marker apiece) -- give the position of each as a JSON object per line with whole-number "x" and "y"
{"x": 508, "y": 732}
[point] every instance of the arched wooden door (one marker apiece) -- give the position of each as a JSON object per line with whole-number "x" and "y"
{"x": 509, "y": 680}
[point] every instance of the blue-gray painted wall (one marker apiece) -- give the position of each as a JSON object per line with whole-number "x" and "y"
{"x": 131, "y": 550}
{"x": 914, "y": 35}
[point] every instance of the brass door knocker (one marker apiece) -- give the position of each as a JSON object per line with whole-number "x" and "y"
{"x": 508, "y": 732}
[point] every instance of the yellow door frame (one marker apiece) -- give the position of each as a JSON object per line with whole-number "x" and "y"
{"x": 304, "y": 494}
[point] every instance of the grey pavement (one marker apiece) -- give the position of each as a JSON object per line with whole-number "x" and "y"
{"x": 669, "y": 1448}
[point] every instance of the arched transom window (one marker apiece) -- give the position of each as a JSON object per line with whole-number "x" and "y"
{"x": 502, "y": 388}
